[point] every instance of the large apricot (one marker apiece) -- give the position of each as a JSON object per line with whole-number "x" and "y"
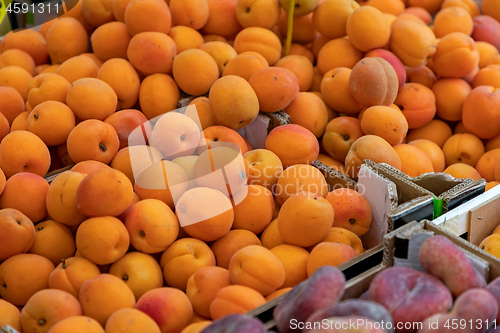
{"x": 260, "y": 40}
{"x": 52, "y": 122}
{"x": 121, "y": 76}
{"x": 412, "y": 41}
{"x": 373, "y": 148}
{"x": 418, "y": 104}
{"x": 373, "y": 81}
{"x": 337, "y": 52}
{"x": 386, "y": 122}
{"x": 330, "y": 17}
{"x": 456, "y": 55}
{"x": 486, "y": 124}
{"x": 151, "y": 52}
{"x": 222, "y": 19}
{"x": 191, "y": 13}
{"x": 147, "y": 15}
{"x": 233, "y": 102}
{"x": 368, "y": 28}
{"x": 414, "y": 161}
{"x": 194, "y": 71}
{"x": 309, "y": 111}
{"x": 28, "y": 40}
{"x": 245, "y": 64}
{"x": 44, "y": 87}
{"x": 252, "y": 13}
{"x": 275, "y": 88}
{"x": 450, "y": 94}
{"x": 293, "y": 144}
{"x": 66, "y": 38}
{"x": 91, "y": 98}
{"x": 433, "y": 151}
{"x": 158, "y": 94}
{"x": 463, "y": 148}
{"x": 236, "y": 239}
{"x": 18, "y": 233}
{"x": 299, "y": 178}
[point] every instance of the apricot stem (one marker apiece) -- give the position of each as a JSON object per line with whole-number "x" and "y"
{"x": 63, "y": 263}
{"x": 103, "y": 146}
{"x": 291, "y": 9}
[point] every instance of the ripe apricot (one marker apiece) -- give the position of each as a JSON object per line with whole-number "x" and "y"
{"x": 418, "y": 104}
{"x": 434, "y": 152}
{"x": 101, "y": 296}
{"x": 271, "y": 236}
{"x": 462, "y": 170}
{"x": 151, "y": 52}
{"x": 373, "y": 148}
{"x": 220, "y": 51}
{"x": 299, "y": 178}
{"x": 490, "y": 8}
{"x": 412, "y": 41}
{"x": 91, "y": 98}
{"x": 203, "y": 111}
{"x": 147, "y": 15}
{"x": 110, "y": 41}
{"x": 23, "y": 151}
{"x": 101, "y": 141}
{"x": 205, "y": 213}
{"x": 252, "y": 13}
{"x": 121, "y": 76}
{"x": 222, "y": 19}
{"x": 71, "y": 273}
{"x": 386, "y": 122}
{"x": 303, "y": 32}
{"x": 191, "y": 13}
{"x": 301, "y": 67}
{"x": 463, "y": 148}
{"x": 66, "y": 38}
{"x": 78, "y": 67}
{"x": 26, "y": 192}
{"x": 48, "y": 86}
{"x": 53, "y": 241}
{"x": 194, "y": 71}
{"x": 330, "y": 17}
{"x": 486, "y": 164}
{"x": 337, "y": 52}
{"x": 125, "y": 122}
{"x": 186, "y": 38}
{"x": 46, "y": 308}
{"x": 309, "y": 111}
{"x": 104, "y": 192}
{"x": 245, "y": 64}
{"x": 436, "y": 131}
{"x": 236, "y": 239}
{"x": 28, "y": 40}
{"x": 129, "y": 320}
{"x": 35, "y": 271}
{"x": 77, "y": 324}
{"x": 52, "y": 122}
{"x": 16, "y": 77}
{"x": 351, "y": 210}
{"x": 168, "y": 307}
{"x": 203, "y": 285}
{"x": 414, "y": 161}
{"x": 344, "y": 236}
{"x": 486, "y": 98}
{"x": 235, "y": 299}
{"x": 368, "y": 28}
{"x": 321, "y": 255}
{"x": 16, "y": 57}
{"x": 316, "y": 219}
{"x": 450, "y": 94}
{"x": 140, "y": 271}
{"x": 264, "y": 167}
{"x": 253, "y": 208}
{"x": 452, "y": 19}
{"x": 233, "y": 102}
{"x": 12, "y": 103}
{"x": 10, "y": 315}
{"x": 422, "y": 74}
{"x": 103, "y": 240}
{"x": 88, "y": 166}
{"x": 456, "y": 55}
{"x": 260, "y": 40}
{"x": 487, "y": 53}
{"x": 183, "y": 258}
{"x": 158, "y": 94}
{"x": 293, "y": 144}
{"x": 487, "y": 76}
{"x": 294, "y": 261}
{"x": 275, "y": 88}
{"x": 470, "y": 6}
{"x": 216, "y": 134}
{"x": 20, "y": 122}
{"x": 18, "y": 235}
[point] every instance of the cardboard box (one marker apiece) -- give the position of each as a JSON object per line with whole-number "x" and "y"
{"x": 474, "y": 220}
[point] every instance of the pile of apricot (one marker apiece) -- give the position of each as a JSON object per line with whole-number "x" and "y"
{"x": 167, "y": 219}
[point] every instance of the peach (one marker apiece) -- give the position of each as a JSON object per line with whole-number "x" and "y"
{"x": 18, "y": 233}
{"x": 373, "y": 148}
{"x": 423, "y": 301}
{"x": 275, "y": 88}
{"x": 293, "y": 144}
{"x": 46, "y": 308}
{"x": 103, "y": 240}
{"x": 101, "y": 296}
{"x": 158, "y": 94}
{"x": 456, "y": 55}
{"x": 476, "y": 304}
{"x": 412, "y": 41}
{"x": 322, "y": 290}
{"x": 151, "y": 52}
{"x": 71, "y": 273}
{"x": 35, "y": 271}
{"x": 260, "y": 40}
{"x": 373, "y": 81}
{"x": 442, "y": 258}
{"x": 233, "y": 102}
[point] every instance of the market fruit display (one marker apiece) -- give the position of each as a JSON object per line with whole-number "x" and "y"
{"x": 156, "y": 202}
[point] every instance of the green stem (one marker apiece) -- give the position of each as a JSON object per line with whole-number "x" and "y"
{"x": 289, "y": 32}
